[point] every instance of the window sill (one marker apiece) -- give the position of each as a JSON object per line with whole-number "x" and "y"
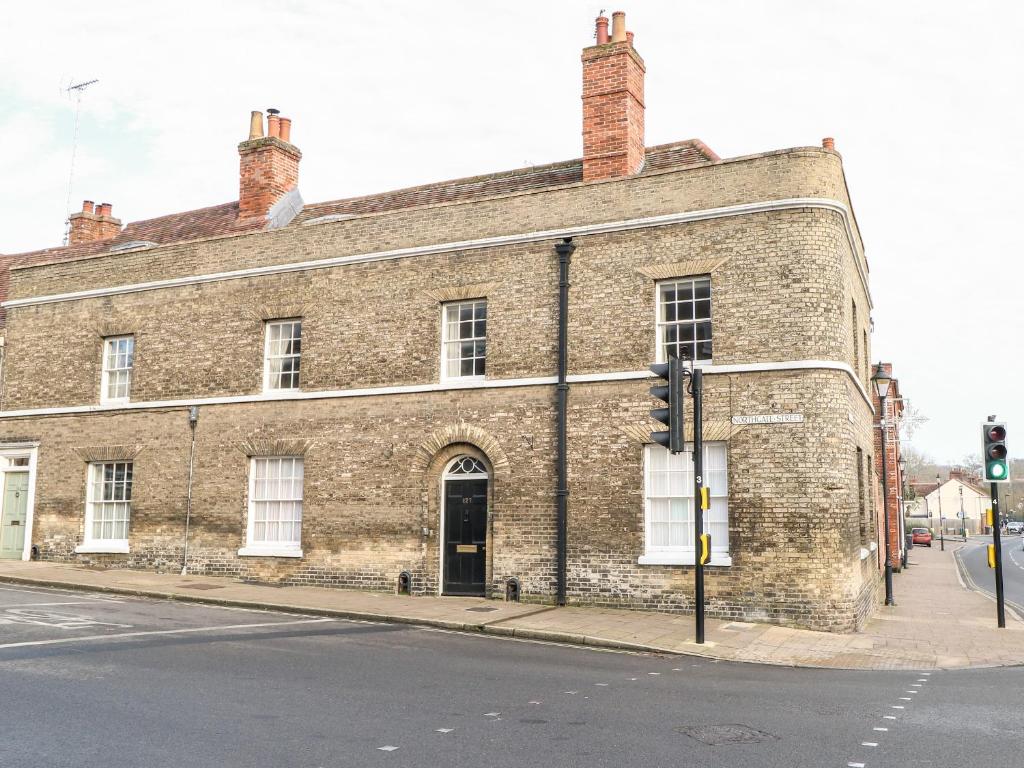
{"x": 456, "y": 380}
{"x": 102, "y": 548}
{"x": 681, "y": 558}
{"x": 282, "y": 392}
{"x": 117, "y": 401}
{"x": 281, "y": 551}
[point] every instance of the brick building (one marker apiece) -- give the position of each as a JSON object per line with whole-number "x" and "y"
{"x": 892, "y": 498}
{"x": 340, "y": 392}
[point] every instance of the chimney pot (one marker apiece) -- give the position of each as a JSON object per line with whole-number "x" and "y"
{"x": 105, "y": 209}
{"x": 286, "y": 129}
{"x": 828, "y": 143}
{"x": 602, "y": 30}
{"x": 619, "y": 27}
{"x": 274, "y": 126}
{"x": 255, "y": 125}
{"x": 629, "y": 38}
{"x": 87, "y": 206}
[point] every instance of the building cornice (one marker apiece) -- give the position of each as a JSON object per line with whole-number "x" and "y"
{"x": 446, "y": 386}
{"x": 465, "y": 245}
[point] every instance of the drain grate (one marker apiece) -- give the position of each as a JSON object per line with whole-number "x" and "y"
{"x": 716, "y": 735}
{"x": 482, "y": 609}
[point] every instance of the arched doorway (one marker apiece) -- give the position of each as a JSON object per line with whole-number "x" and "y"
{"x": 464, "y": 527}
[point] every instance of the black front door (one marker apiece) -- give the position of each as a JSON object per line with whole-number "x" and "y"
{"x": 465, "y": 536}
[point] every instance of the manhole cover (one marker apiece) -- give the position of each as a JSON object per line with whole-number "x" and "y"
{"x": 716, "y": 735}
{"x": 202, "y": 586}
{"x": 481, "y": 609}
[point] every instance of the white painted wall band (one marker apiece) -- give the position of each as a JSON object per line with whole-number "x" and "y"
{"x": 448, "y": 386}
{"x": 463, "y": 245}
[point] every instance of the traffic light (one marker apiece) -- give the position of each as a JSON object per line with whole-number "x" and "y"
{"x": 994, "y": 456}
{"x": 672, "y": 393}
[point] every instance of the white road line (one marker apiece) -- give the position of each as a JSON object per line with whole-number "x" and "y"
{"x": 869, "y": 743}
{"x": 888, "y": 717}
{"x": 387, "y": 748}
{"x": 855, "y": 765}
{"x": 905, "y": 698}
{"x": 601, "y": 684}
{"x": 898, "y": 706}
{"x": 87, "y": 638}
{"x": 61, "y": 593}
{"x": 444, "y": 730}
{"x": 880, "y": 728}
{"x": 36, "y": 605}
{"x": 491, "y": 714}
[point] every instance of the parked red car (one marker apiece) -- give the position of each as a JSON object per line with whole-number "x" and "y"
{"x": 921, "y": 536}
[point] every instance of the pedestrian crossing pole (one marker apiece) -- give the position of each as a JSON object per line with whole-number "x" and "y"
{"x": 995, "y": 522}
{"x": 699, "y": 502}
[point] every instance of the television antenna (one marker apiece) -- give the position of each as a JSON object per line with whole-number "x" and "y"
{"x": 74, "y": 90}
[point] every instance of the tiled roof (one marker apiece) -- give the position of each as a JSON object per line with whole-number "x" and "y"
{"x": 684, "y": 153}
{"x": 223, "y": 219}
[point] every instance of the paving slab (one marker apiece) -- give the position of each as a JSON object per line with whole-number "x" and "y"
{"x": 909, "y": 635}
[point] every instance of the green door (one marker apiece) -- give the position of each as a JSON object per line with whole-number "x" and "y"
{"x": 12, "y": 520}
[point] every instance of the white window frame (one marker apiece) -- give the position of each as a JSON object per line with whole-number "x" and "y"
{"x": 91, "y": 544}
{"x": 446, "y": 341}
{"x": 254, "y": 548}
{"x": 684, "y": 555}
{"x": 108, "y": 342}
{"x": 660, "y": 325}
{"x": 267, "y": 376}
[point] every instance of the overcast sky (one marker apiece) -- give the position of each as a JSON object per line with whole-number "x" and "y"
{"x": 923, "y": 98}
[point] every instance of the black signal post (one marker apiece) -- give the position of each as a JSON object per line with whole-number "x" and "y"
{"x": 697, "y": 386}
{"x": 671, "y": 392}
{"x": 997, "y": 470}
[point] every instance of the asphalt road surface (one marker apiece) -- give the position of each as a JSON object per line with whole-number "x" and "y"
{"x": 975, "y": 559}
{"x": 89, "y": 680}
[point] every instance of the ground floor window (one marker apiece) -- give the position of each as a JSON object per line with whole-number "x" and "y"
{"x": 668, "y": 505}
{"x": 275, "y": 507}
{"x": 108, "y": 504}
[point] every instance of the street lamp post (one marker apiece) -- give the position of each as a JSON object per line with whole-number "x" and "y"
{"x": 963, "y": 515}
{"x": 942, "y": 525}
{"x": 881, "y": 380}
{"x": 902, "y": 464}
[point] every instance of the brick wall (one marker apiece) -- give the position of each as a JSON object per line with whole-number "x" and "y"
{"x": 782, "y": 282}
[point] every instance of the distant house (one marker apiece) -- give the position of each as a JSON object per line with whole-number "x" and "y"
{"x": 961, "y": 493}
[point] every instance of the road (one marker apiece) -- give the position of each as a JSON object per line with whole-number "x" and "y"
{"x": 975, "y": 559}
{"x": 91, "y": 680}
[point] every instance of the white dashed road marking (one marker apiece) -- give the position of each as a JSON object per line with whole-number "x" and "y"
{"x": 491, "y": 714}
{"x": 445, "y": 730}
{"x": 155, "y": 632}
{"x": 869, "y": 743}
{"x": 855, "y": 765}
{"x": 879, "y": 728}
{"x": 387, "y": 748}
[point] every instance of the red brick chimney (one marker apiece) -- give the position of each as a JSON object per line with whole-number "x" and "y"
{"x": 93, "y": 223}
{"x": 613, "y": 103}
{"x": 269, "y": 165}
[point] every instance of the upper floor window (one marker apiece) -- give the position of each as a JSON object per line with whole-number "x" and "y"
{"x": 283, "y": 353}
{"x": 668, "y": 505}
{"x": 464, "y": 339}
{"x": 118, "y": 360}
{"x": 684, "y": 319}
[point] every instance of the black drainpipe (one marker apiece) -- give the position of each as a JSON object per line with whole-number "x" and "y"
{"x": 564, "y": 250}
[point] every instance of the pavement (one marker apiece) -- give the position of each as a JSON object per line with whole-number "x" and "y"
{"x": 937, "y": 623}
{"x": 99, "y": 680}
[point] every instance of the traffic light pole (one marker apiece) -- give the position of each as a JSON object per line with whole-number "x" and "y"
{"x": 697, "y": 384}
{"x": 1000, "y": 604}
